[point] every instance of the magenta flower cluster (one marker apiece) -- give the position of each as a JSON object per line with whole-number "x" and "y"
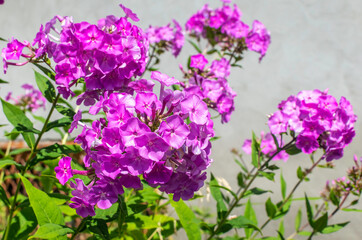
{"x": 267, "y": 147}
{"x": 223, "y": 26}
{"x": 164, "y": 138}
{"x": 317, "y": 120}
{"x": 209, "y": 82}
{"x": 30, "y": 101}
{"x": 166, "y": 37}
{"x": 106, "y": 55}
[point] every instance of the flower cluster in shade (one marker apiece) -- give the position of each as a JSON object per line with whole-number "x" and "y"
{"x": 165, "y": 138}
{"x": 342, "y": 187}
{"x": 223, "y": 26}
{"x": 267, "y": 147}
{"x": 166, "y": 37}
{"x": 106, "y": 55}
{"x": 317, "y": 120}
{"x": 210, "y": 83}
{"x": 30, "y": 101}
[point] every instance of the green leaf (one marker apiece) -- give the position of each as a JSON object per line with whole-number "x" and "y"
{"x": 281, "y": 229}
{"x": 298, "y": 220}
{"x": 243, "y": 222}
{"x": 250, "y": 214}
{"x": 351, "y": 210}
{"x": 53, "y": 152}
{"x": 3, "y": 197}
{"x": 3, "y": 81}
{"x": 108, "y": 214}
{"x": 45, "y": 87}
{"x": 321, "y": 223}
{"x": 293, "y": 150}
{"x": 333, "y": 197}
{"x": 254, "y": 151}
{"x": 300, "y": 173}
{"x": 21, "y": 128}
{"x": 66, "y": 111}
{"x": 3, "y": 39}
{"x": 268, "y": 175}
{"x": 334, "y": 228}
{"x": 270, "y": 208}
{"x": 65, "y": 121}
{"x": 187, "y": 218}
{"x": 281, "y": 237}
{"x": 283, "y": 185}
{"x": 256, "y": 191}
{"x": 241, "y": 180}
{"x": 16, "y": 117}
{"x": 6, "y": 162}
{"x": 99, "y": 227}
{"x": 309, "y": 211}
{"x": 46, "y": 211}
{"x": 227, "y": 189}
{"x": 195, "y": 46}
{"x": 217, "y": 195}
{"x": 51, "y": 230}
{"x": 46, "y": 71}
{"x": 23, "y": 223}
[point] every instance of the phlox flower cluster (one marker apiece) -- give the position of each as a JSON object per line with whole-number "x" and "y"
{"x": 267, "y": 147}
{"x": 223, "y": 26}
{"x": 340, "y": 187}
{"x": 317, "y": 120}
{"x": 209, "y": 82}
{"x": 166, "y": 37}
{"x": 30, "y": 101}
{"x": 105, "y": 55}
{"x": 164, "y": 139}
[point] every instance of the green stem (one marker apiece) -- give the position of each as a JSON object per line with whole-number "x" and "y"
{"x": 308, "y": 171}
{"x": 149, "y": 62}
{"x": 236, "y": 201}
{"x": 32, "y": 153}
{"x": 79, "y": 228}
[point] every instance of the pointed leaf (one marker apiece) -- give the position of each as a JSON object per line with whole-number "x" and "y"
{"x": 254, "y": 151}
{"x": 321, "y": 223}
{"x": 217, "y": 195}
{"x": 334, "y": 228}
{"x": 270, "y": 208}
{"x": 51, "y": 230}
{"x": 45, "y": 87}
{"x": 3, "y": 197}
{"x": 195, "y": 46}
{"x": 16, "y": 117}
{"x": 187, "y": 218}
{"x": 309, "y": 211}
{"x": 46, "y": 71}
{"x": 23, "y": 223}
{"x": 243, "y": 222}
{"x": 250, "y": 214}
{"x": 283, "y": 185}
{"x": 46, "y": 211}
{"x": 293, "y": 150}
{"x": 3, "y": 81}
{"x": 298, "y": 220}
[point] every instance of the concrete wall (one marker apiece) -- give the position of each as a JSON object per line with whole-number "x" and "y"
{"x": 315, "y": 44}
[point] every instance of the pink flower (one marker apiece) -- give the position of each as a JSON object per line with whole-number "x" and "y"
{"x": 64, "y": 170}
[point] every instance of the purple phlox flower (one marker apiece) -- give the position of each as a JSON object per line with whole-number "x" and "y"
{"x": 145, "y": 102}
{"x": 135, "y": 163}
{"x": 258, "y": 39}
{"x": 198, "y": 139}
{"x": 103, "y": 196}
{"x": 151, "y": 146}
{"x": 91, "y": 37}
{"x": 196, "y": 109}
{"x": 129, "y": 181}
{"x": 247, "y": 146}
{"x": 220, "y": 68}
{"x": 277, "y": 123}
{"x": 164, "y": 79}
{"x": 13, "y": 50}
{"x": 118, "y": 116}
{"x": 142, "y": 85}
{"x": 158, "y": 174}
{"x": 225, "y": 106}
{"x": 309, "y": 97}
{"x": 307, "y": 143}
{"x": 129, "y": 13}
{"x": 131, "y": 129}
{"x": 198, "y": 61}
{"x": 112, "y": 137}
{"x": 77, "y": 117}
{"x": 82, "y": 207}
{"x": 64, "y": 170}
{"x": 174, "y": 131}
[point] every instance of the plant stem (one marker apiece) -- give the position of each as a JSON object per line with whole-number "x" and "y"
{"x": 236, "y": 201}
{"x": 33, "y": 151}
{"x": 79, "y": 228}
{"x": 149, "y": 61}
{"x": 307, "y": 172}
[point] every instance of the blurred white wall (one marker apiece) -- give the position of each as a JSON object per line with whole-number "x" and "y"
{"x": 315, "y": 44}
